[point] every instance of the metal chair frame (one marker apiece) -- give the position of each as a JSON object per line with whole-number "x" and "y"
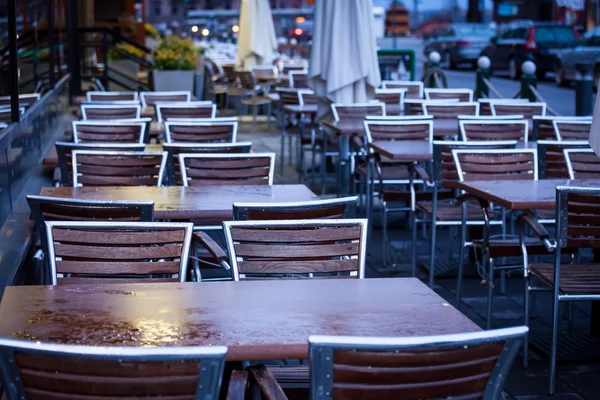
{"x": 403, "y": 84}
{"x": 192, "y": 104}
{"x": 135, "y": 96}
{"x": 556, "y": 122}
{"x": 141, "y": 125}
{"x": 542, "y": 146}
{"x": 85, "y": 107}
{"x": 145, "y": 95}
{"x": 567, "y": 153}
{"x": 462, "y": 123}
{"x": 429, "y": 91}
{"x": 168, "y": 124}
{"x": 446, "y": 103}
{"x": 322, "y": 348}
{"x": 537, "y": 120}
{"x": 518, "y": 105}
{"x": 211, "y": 361}
{"x": 240, "y": 210}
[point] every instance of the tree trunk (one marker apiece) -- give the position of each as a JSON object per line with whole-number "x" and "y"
{"x": 474, "y": 13}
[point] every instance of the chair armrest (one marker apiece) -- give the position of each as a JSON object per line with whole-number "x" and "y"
{"x": 266, "y": 382}
{"x": 468, "y": 196}
{"x": 420, "y": 172}
{"x": 238, "y": 385}
{"x": 209, "y": 244}
{"x": 538, "y": 229}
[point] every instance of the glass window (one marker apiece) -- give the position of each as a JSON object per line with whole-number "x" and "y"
{"x": 554, "y": 34}
{"x": 507, "y": 34}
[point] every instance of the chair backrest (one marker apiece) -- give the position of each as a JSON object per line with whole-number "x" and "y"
{"x": 582, "y": 163}
{"x": 109, "y": 132}
{"x": 114, "y": 168}
{"x": 444, "y": 167}
{"x": 551, "y": 157}
{"x": 110, "y": 111}
{"x": 151, "y": 98}
{"x": 201, "y": 132}
{"x": 288, "y": 96}
{"x": 485, "y": 107}
{"x": 227, "y": 169}
{"x": 466, "y": 366}
{"x": 529, "y": 110}
{"x": 264, "y": 71}
{"x": 298, "y": 79}
{"x": 32, "y": 369}
{"x": 489, "y": 117}
{"x": 393, "y": 100}
{"x": 450, "y": 110}
{"x": 306, "y": 97}
{"x": 245, "y": 80}
{"x": 192, "y": 109}
{"x": 135, "y": 250}
{"x": 112, "y": 96}
{"x": 572, "y": 130}
{"x": 64, "y": 151}
{"x": 463, "y": 95}
{"x": 5, "y": 114}
{"x": 543, "y": 127}
{"x": 414, "y": 89}
{"x": 341, "y": 208}
{"x": 297, "y": 248}
{"x": 25, "y": 99}
{"x": 174, "y": 149}
{"x": 577, "y": 222}
{"x": 494, "y": 130}
{"x": 398, "y": 130}
{"x": 356, "y": 111}
{"x": 496, "y": 164}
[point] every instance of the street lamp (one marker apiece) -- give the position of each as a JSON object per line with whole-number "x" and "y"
{"x": 195, "y": 28}
{"x": 205, "y": 32}
{"x": 235, "y": 29}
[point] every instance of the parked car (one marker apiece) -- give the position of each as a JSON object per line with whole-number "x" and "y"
{"x": 520, "y": 41}
{"x": 459, "y": 43}
{"x": 586, "y": 51}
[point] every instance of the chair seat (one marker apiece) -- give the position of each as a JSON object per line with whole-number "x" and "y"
{"x": 447, "y": 211}
{"x": 574, "y": 278}
{"x": 291, "y": 377}
{"x": 388, "y": 172}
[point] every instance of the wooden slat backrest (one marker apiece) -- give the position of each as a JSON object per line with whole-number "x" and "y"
{"x": 296, "y": 249}
{"x": 151, "y": 98}
{"x": 390, "y": 96}
{"x": 398, "y": 130}
{"x": 463, "y": 95}
{"x": 529, "y": 110}
{"x": 578, "y": 221}
{"x": 227, "y": 169}
{"x": 494, "y": 130}
{"x": 320, "y": 209}
{"x": 572, "y": 130}
{"x": 307, "y": 97}
{"x": 450, "y": 110}
{"x": 173, "y": 151}
{"x": 105, "y": 111}
{"x": 551, "y": 158}
{"x": 108, "y": 132}
{"x": 118, "y": 249}
{"x": 264, "y": 72}
{"x": 104, "y": 168}
{"x": 64, "y": 150}
{"x": 465, "y": 366}
{"x": 25, "y": 99}
{"x": 485, "y": 107}
{"x": 200, "y": 109}
{"x": 356, "y": 111}
{"x": 298, "y": 79}
{"x": 582, "y": 163}
{"x": 201, "y": 132}
{"x": 67, "y": 371}
{"x": 245, "y": 80}
{"x": 497, "y": 164}
{"x": 288, "y": 96}
{"x": 414, "y": 89}
{"x": 112, "y": 96}
{"x": 444, "y": 167}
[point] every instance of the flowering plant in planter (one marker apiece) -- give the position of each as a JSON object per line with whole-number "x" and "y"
{"x": 176, "y": 53}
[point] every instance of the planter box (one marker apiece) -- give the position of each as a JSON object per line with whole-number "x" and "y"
{"x": 125, "y": 71}
{"x": 173, "y": 80}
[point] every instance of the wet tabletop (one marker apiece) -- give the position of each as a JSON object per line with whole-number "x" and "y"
{"x": 404, "y": 150}
{"x": 200, "y": 202}
{"x": 523, "y": 195}
{"x": 257, "y": 320}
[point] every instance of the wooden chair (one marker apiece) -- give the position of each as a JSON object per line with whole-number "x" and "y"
{"x": 151, "y": 98}
{"x": 110, "y": 111}
{"x": 279, "y": 249}
{"x": 485, "y": 107}
{"x": 25, "y": 100}
{"x": 450, "y": 110}
{"x": 5, "y": 114}
{"x": 112, "y": 96}
{"x": 145, "y": 251}
{"x": 466, "y": 366}
{"x": 208, "y": 131}
{"x": 551, "y": 157}
{"x": 463, "y": 95}
{"x": 393, "y": 100}
{"x": 582, "y": 163}
{"x": 340, "y": 208}
{"x": 529, "y": 110}
{"x": 193, "y": 109}
{"x": 113, "y": 168}
{"x": 109, "y": 132}
{"x": 292, "y": 125}
{"x": 490, "y": 117}
{"x": 33, "y": 370}
{"x": 354, "y": 111}
{"x": 494, "y": 130}
{"x": 543, "y": 127}
{"x": 251, "y": 95}
{"x": 174, "y": 149}
{"x": 572, "y": 130}
{"x": 414, "y": 89}
{"x": 64, "y": 151}
{"x": 298, "y": 79}
{"x": 227, "y": 169}
{"x": 577, "y": 228}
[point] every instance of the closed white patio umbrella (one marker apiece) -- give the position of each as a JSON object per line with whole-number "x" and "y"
{"x": 256, "y": 39}
{"x": 595, "y": 129}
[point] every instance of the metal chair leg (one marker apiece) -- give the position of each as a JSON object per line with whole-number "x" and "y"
{"x": 415, "y": 228}
{"x": 384, "y": 231}
{"x": 554, "y": 345}
{"x": 461, "y": 264}
{"x": 281, "y": 156}
{"x": 490, "y": 265}
{"x": 526, "y": 323}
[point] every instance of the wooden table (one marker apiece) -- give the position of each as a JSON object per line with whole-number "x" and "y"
{"x": 51, "y": 158}
{"x": 308, "y": 109}
{"x": 256, "y": 320}
{"x": 198, "y": 202}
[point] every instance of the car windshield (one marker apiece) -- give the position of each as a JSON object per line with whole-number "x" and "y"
{"x": 475, "y": 30}
{"x": 554, "y": 34}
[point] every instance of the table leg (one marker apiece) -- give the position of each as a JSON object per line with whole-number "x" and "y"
{"x": 368, "y": 200}
{"x": 344, "y": 165}
{"x": 595, "y": 312}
